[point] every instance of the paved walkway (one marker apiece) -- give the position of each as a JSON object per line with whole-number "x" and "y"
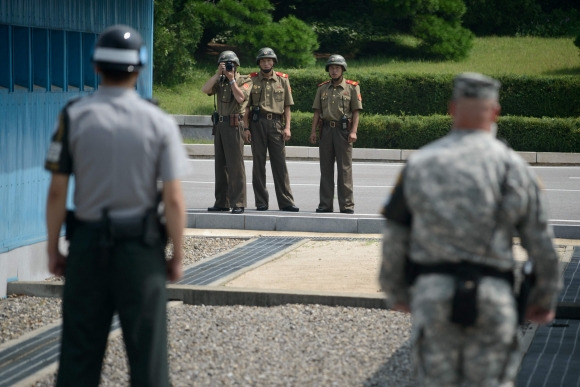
{"x": 552, "y": 358}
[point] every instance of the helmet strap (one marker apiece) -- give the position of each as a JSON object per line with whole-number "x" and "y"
{"x": 337, "y": 80}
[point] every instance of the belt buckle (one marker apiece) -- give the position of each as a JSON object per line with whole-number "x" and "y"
{"x": 332, "y": 124}
{"x": 269, "y": 116}
{"x": 221, "y": 119}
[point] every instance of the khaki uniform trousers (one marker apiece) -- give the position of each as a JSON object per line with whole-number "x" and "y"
{"x": 131, "y": 282}
{"x": 334, "y": 147}
{"x": 230, "y": 172}
{"x": 267, "y": 137}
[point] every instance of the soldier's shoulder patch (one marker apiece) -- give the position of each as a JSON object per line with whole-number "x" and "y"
{"x": 324, "y": 83}
{"x": 354, "y": 83}
{"x": 281, "y": 74}
{"x": 254, "y": 74}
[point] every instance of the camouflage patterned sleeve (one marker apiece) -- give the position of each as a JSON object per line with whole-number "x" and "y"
{"x": 392, "y": 273}
{"x": 536, "y": 238}
{"x": 395, "y": 246}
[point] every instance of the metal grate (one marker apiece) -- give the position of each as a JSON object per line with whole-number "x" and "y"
{"x": 571, "y": 291}
{"x": 26, "y": 358}
{"x": 553, "y": 358}
{"x": 237, "y": 259}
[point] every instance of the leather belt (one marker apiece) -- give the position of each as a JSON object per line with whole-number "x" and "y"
{"x": 271, "y": 116}
{"x": 332, "y": 124}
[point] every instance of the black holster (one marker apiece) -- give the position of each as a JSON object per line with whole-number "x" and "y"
{"x": 467, "y": 277}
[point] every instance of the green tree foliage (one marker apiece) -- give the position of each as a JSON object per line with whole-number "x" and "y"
{"x": 177, "y": 32}
{"x": 548, "y": 18}
{"x": 248, "y": 25}
{"x": 436, "y": 22}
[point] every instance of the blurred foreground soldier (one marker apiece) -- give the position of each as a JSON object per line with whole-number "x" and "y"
{"x": 267, "y": 128}
{"x": 447, "y": 249}
{"x": 118, "y": 146}
{"x": 336, "y": 112}
{"x": 231, "y": 91}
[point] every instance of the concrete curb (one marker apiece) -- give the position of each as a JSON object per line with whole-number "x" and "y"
{"x": 315, "y": 223}
{"x": 385, "y": 155}
{"x": 224, "y": 296}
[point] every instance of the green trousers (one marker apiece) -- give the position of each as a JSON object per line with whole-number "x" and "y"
{"x": 267, "y": 139}
{"x": 130, "y": 282}
{"x": 335, "y": 148}
{"x": 230, "y": 173}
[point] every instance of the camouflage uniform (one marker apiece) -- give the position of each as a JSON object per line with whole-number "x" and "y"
{"x": 460, "y": 199}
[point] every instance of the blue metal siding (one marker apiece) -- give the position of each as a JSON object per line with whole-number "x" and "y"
{"x": 41, "y": 71}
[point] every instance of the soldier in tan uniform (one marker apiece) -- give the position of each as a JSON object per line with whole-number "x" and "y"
{"x": 267, "y": 128}
{"x": 336, "y": 112}
{"x": 447, "y": 248}
{"x": 231, "y": 91}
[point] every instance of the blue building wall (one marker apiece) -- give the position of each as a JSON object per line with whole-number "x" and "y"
{"x": 45, "y": 48}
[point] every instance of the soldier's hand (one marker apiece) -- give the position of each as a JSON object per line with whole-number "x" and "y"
{"x": 221, "y": 70}
{"x": 247, "y": 136}
{"x": 286, "y": 135}
{"x": 174, "y": 266}
{"x": 352, "y": 137}
{"x": 400, "y": 307}
{"x": 313, "y": 138}
{"x": 539, "y": 315}
{"x": 56, "y": 263}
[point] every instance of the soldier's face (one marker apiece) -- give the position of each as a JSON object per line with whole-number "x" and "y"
{"x": 335, "y": 71}
{"x": 266, "y": 64}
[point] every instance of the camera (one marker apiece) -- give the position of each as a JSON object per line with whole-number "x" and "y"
{"x": 255, "y": 112}
{"x": 229, "y": 66}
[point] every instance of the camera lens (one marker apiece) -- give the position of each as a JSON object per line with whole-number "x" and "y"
{"x": 229, "y": 66}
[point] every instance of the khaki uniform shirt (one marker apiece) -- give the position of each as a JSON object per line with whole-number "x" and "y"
{"x": 226, "y": 102}
{"x": 273, "y": 94}
{"x": 333, "y": 102}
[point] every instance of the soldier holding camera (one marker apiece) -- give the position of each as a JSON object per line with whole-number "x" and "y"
{"x": 267, "y": 127}
{"x": 336, "y": 112}
{"x": 230, "y": 91}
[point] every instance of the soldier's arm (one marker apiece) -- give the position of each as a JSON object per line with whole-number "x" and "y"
{"x": 287, "y": 118}
{"x": 396, "y": 247}
{"x": 315, "y": 123}
{"x": 352, "y": 135}
{"x": 55, "y": 215}
{"x": 536, "y": 238}
{"x": 208, "y": 86}
{"x": 175, "y": 218}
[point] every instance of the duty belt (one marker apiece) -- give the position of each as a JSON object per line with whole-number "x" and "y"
{"x": 227, "y": 118}
{"x": 332, "y": 124}
{"x": 270, "y": 116}
{"x": 460, "y": 269}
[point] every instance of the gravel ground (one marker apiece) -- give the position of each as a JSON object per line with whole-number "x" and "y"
{"x": 290, "y": 345}
{"x": 20, "y": 314}
{"x": 196, "y": 249}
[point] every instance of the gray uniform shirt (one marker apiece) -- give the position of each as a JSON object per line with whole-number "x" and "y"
{"x": 467, "y": 194}
{"x": 120, "y": 146}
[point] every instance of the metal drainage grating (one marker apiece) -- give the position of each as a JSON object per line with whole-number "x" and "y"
{"x": 571, "y": 290}
{"x": 237, "y": 259}
{"x": 30, "y": 356}
{"x": 553, "y": 358}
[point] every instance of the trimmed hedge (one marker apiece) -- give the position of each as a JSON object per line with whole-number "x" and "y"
{"x": 424, "y": 95}
{"x": 412, "y": 132}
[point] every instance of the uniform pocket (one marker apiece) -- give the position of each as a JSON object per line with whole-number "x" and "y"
{"x": 279, "y": 95}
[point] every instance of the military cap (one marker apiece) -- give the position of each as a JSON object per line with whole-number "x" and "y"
{"x": 475, "y": 85}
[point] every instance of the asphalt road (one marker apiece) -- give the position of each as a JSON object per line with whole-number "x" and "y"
{"x": 373, "y": 182}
